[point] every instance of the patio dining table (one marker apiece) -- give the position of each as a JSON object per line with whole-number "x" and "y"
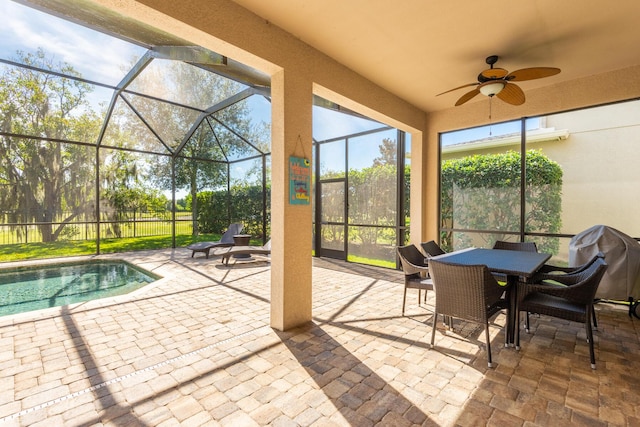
{"x": 514, "y": 264}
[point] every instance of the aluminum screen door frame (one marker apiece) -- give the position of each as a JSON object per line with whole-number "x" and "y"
{"x": 332, "y": 212}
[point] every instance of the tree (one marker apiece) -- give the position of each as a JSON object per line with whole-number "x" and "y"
{"x": 388, "y": 153}
{"x": 123, "y": 190}
{"x": 372, "y": 200}
{"x": 482, "y": 192}
{"x": 43, "y": 180}
{"x": 202, "y": 162}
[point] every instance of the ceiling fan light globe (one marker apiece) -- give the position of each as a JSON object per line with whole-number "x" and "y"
{"x": 491, "y": 89}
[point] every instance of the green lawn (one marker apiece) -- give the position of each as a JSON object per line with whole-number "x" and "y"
{"x": 25, "y": 251}
{"x": 29, "y": 251}
{"x": 370, "y": 261}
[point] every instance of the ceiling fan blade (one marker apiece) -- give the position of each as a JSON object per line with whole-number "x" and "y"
{"x": 459, "y": 87}
{"x": 467, "y": 96}
{"x": 511, "y": 94}
{"x": 532, "y": 73}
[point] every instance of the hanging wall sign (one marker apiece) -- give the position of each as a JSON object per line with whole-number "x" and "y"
{"x": 299, "y": 181}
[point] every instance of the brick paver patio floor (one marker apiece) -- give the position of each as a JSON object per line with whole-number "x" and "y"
{"x": 195, "y": 348}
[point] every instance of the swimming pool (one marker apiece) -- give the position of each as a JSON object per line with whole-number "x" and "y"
{"x": 25, "y": 289}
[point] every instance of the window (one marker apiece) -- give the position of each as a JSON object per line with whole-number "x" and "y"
{"x": 581, "y": 170}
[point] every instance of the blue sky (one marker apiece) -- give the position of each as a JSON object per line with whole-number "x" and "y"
{"x": 97, "y": 56}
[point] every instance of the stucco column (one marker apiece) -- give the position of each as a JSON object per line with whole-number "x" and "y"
{"x": 421, "y": 190}
{"x": 291, "y": 232}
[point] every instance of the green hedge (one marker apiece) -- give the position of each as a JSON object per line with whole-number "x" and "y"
{"x": 244, "y": 204}
{"x": 482, "y": 192}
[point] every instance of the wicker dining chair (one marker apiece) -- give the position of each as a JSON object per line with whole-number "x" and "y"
{"x": 550, "y": 271}
{"x": 556, "y": 275}
{"x": 513, "y": 246}
{"x": 431, "y": 248}
{"x": 467, "y": 292}
{"x": 516, "y": 246}
{"x": 416, "y": 272}
{"x": 572, "y": 300}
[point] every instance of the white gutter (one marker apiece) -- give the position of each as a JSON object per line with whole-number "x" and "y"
{"x": 538, "y": 135}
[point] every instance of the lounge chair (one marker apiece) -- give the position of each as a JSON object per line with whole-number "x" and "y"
{"x": 226, "y": 253}
{"x": 225, "y": 241}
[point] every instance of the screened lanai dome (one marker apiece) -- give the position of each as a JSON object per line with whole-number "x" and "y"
{"x": 170, "y": 104}
{"x": 161, "y": 88}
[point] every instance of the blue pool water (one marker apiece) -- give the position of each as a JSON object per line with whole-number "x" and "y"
{"x": 33, "y": 288}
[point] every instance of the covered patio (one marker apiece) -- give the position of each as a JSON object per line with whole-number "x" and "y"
{"x": 284, "y": 44}
{"x": 316, "y": 342}
{"x": 196, "y": 348}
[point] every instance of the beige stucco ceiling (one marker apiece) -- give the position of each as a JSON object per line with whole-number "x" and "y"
{"x": 419, "y": 48}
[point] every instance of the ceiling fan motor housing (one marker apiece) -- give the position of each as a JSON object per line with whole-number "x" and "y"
{"x": 492, "y": 74}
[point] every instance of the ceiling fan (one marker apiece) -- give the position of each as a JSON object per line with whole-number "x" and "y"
{"x": 497, "y": 82}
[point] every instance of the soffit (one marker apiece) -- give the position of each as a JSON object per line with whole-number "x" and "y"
{"x": 417, "y": 49}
